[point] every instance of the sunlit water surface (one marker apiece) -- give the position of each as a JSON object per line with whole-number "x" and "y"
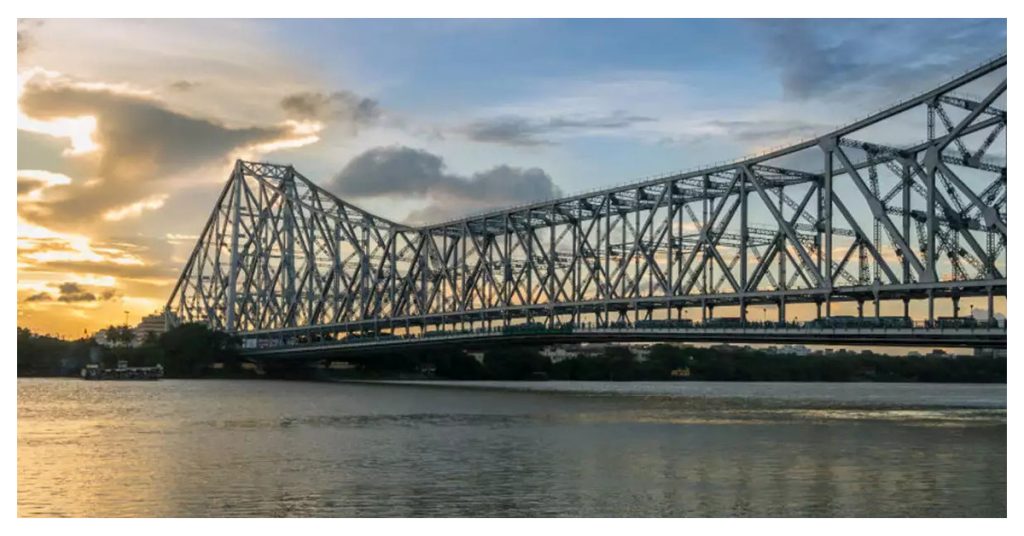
{"x": 274, "y": 448}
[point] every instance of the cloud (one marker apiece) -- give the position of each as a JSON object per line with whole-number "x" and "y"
{"x": 341, "y": 107}
{"x": 132, "y": 141}
{"x": 183, "y": 85}
{"x": 25, "y": 39}
{"x": 32, "y": 182}
{"x": 135, "y": 209}
{"x": 759, "y": 132}
{"x": 399, "y": 171}
{"x": 819, "y": 57}
{"x": 138, "y": 135}
{"x": 523, "y": 131}
{"x": 73, "y": 292}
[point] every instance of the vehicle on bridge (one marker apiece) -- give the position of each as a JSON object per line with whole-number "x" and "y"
{"x": 849, "y": 322}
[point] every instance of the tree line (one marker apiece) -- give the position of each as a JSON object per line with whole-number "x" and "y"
{"x": 192, "y": 350}
{"x": 186, "y": 351}
{"x": 668, "y": 362}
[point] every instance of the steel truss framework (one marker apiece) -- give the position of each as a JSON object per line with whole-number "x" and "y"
{"x": 874, "y": 222}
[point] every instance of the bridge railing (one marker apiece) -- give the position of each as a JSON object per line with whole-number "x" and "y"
{"x": 313, "y": 338}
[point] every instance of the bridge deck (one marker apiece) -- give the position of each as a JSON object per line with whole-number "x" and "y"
{"x": 921, "y": 337}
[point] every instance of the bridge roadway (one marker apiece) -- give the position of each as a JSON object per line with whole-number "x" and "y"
{"x": 978, "y": 337}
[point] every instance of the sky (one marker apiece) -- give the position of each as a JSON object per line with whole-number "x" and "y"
{"x": 127, "y": 129}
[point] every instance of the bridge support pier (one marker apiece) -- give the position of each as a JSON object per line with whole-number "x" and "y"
{"x": 860, "y": 308}
{"x": 991, "y": 306}
{"x": 906, "y": 307}
{"x": 931, "y": 306}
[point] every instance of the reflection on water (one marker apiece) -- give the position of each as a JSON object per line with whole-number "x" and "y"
{"x": 263, "y": 448}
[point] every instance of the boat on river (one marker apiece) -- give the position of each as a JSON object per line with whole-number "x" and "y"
{"x": 122, "y": 372}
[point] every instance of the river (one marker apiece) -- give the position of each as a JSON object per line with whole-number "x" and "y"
{"x": 201, "y": 448}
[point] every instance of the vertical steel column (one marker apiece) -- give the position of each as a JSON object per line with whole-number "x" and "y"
{"x": 236, "y": 215}
{"x": 336, "y": 281}
{"x": 828, "y": 231}
{"x": 783, "y": 282}
{"x": 906, "y": 219}
{"x": 991, "y": 307}
{"x": 529, "y": 259}
{"x": 931, "y": 268}
{"x": 551, "y": 263}
{"x": 507, "y": 267}
{"x": 670, "y": 291}
{"x": 705, "y": 232}
{"x": 744, "y": 237}
{"x": 288, "y": 256}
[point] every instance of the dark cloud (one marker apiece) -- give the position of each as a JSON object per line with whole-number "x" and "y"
{"x": 341, "y": 106}
{"x": 390, "y": 170}
{"x": 817, "y": 57}
{"x": 26, "y": 185}
{"x": 403, "y": 171}
{"x": 522, "y": 131}
{"x": 183, "y": 85}
{"x": 73, "y": 292}
{"x": 140, "y": 142}
{"x": 25, "y": 40}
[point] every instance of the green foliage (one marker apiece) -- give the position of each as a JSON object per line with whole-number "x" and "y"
{"x": 617, "y": 363}
{"x": 190, "y": 349}
{"x": 186, "y": 351}
{"x": 515, "y": 363}
{"x": 43, "y": 355}
{"x": 120, "y": 335}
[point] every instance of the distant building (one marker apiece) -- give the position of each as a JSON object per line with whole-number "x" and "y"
{"x": 154, "y": 324}
{"x": 102, "y": 338}
{"x": 681, "y": 372}
{"x": 790, "y": 349}
{"x": 641, "y": 352}
{"x": 562, "y": 352}
{"x": 151, "y": 325}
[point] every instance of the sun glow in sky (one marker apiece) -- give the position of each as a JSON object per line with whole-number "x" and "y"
{"x": 127, "y": 129}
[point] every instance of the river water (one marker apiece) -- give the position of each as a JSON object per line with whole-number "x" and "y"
{"x": 277, "y": 448}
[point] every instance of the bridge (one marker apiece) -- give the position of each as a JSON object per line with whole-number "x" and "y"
{"x": 902, "y": 212}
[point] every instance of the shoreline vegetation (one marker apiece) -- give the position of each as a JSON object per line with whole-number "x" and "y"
{"x": 195, "y": 351}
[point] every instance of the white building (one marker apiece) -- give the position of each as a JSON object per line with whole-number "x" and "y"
{"x": 793, "y": 349}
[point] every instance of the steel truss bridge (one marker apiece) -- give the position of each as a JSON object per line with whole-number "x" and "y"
{"x": 904, "y": 209}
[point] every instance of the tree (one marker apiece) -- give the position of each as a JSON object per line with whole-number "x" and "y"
{"x": 193, "y": 347}
{"x": 120, "y": 335}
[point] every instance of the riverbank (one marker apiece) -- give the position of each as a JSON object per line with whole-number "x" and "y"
{"x": 666, "y": 362}
{"x": 194, "y": 351}
{"x": 804, "y": 395}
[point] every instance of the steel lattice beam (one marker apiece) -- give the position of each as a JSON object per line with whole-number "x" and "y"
{"x": 279, "y": 252}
